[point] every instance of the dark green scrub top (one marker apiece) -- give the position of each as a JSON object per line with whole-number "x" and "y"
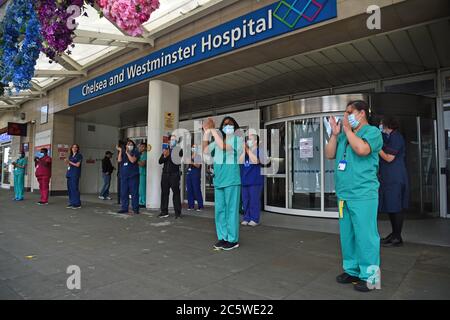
{"x": 359, "y": 180}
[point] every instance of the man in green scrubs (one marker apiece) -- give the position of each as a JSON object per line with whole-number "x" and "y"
{"x": 225, "y": 150}
{"x": 19, "y": 176}
{"x": 142, "y": 162}
{"x": 356, "y": 152}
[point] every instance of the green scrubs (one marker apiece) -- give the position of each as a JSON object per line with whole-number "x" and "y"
{"x": 357, "y": 192}
{"x": 143, "y": 180}
{"x": 227, "y": 188}
{"x": 19, "y": 178}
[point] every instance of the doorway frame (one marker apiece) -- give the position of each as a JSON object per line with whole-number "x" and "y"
{"x": 442, "y": 94}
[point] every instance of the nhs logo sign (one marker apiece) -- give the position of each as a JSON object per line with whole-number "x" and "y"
{"x": 274, "y": 20}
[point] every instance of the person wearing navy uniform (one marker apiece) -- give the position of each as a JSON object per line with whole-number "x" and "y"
{"x": 193, "y": 181}
{"x": 129, "y": 177}
{"x": 73, "y": 176}
{"x": 252, "y": 182}
{"x": 393, "y": 180}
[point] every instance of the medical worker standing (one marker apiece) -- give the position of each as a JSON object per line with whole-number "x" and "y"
{"x": 252, "y": 182}
{"x": 193, "y": 181}
{"x": 19, "y": 176}
{"x": 129, "y": 177}
{"x": 356, "y": 152}
{"x": 73, "y": 176}
{"x": 225, "y": 151}
{"x": 142, "y": 175}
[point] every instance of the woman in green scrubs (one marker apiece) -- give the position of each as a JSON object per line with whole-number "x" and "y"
{"x": 356, "y": 152}
{"x": 225, "y": 150}
{"x": 19, "y": 176}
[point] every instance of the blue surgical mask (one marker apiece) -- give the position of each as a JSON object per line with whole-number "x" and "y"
{"x": 193, "y": 149}
{"x": 250, "y": 143}
{"x": 40, "y": 154}
{"x": 228, "y": 129}
{"x": 173, "y": 143}
{"x": 381, "y": 127}
{"x": 353, "y": 122}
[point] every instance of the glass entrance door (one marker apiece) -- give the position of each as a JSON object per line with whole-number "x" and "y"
{"x": 6, "y": 167}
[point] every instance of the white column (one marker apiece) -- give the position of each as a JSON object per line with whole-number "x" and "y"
{"x": 163, "y": 98}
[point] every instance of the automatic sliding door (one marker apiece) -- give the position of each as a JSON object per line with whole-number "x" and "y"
{"x": 305, "y": 156}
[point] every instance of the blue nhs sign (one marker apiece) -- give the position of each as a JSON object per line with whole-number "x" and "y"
{"x": 278, "y": 18}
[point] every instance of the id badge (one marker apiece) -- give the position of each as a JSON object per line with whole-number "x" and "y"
{"x": 341, "y": 209}
{"x": 342, "y": 165}
{"x": 125, "y": 164}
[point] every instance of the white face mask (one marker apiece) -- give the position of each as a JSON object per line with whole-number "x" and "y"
{"x": 130, "y": 148}
{"x": 250, "y": 143}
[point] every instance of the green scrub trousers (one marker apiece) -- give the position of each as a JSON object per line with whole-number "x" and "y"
{"x": 227, "y": 212}
{"x": 19, "y": 179}
{"x": 360, "y": 242}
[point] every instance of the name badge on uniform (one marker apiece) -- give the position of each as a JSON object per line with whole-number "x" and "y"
{"x": 125, "y": 164}
{"x": 342, "y": 165}
{"x": 189, "y": 169}
{"x": 68, "y": 168}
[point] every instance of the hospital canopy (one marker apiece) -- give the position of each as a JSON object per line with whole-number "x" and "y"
{"x": 95, "y": 38}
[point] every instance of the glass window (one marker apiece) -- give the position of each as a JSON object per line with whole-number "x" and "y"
{"x": 423, "y": 87}
{"x": 330, "y": 198}
{"x": 276, "y": 192}
{"x": 306, "y": 175}
{"x": 281, "y": 157}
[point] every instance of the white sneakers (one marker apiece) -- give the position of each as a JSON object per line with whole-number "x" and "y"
{"x": 251, "y": 223}
{"x": 101, "y": 198}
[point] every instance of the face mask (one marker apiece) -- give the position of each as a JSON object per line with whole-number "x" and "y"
{"x": 173, "y": 143}
{"x": 228, "y": 129}
{"x": 22, "y": 156}
{"x": 40, "y": 154}
{"x": 130, "y": 148}
{"x": 381, "y": 127}
{"x": 353, "y": 122}
{"x": 250, "y": 143}
{"x": 193, "y": 149}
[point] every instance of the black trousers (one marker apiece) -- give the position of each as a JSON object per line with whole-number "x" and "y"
{"x": 170, "y": 181}
{"x": 397, "y": 224}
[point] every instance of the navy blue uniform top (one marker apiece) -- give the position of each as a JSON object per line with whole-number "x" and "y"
{"x": 72, "y": 171}
{"x": 395, "y": 171}
{"x": 250, "y": 172}
{"x": 193, "y": 170}
{"x": 127, "y": 168}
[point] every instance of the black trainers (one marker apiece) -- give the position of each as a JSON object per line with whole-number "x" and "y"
{"x": 345, "y": 278}
{"x": 361, "y": 286}
{"x": 163, "y": 215}
{"x": 122, "y": 211}
{"x": 219, "y": 245}
{"x": 386, "y": 240}
{"x": 42, "y": 203}
{"x": 395, "y": 242}
{"x": 230, "y": 246}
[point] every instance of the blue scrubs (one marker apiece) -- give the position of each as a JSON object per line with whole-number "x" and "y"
{"x": 193, "y": 186}
{"x": 394, "y": 187}
{"x": 252, "y": 186}
{"x": 129, "y": 182}
{"x": 73, "y": 180}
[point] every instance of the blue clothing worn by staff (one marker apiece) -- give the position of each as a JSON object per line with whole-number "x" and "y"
{"x": 193, "y": 182}
{"x": 252, "y": 182}
{"x": 356, "y": 152}
{"x": 19, "y": 176}
{"x": 129, "y": 177}
{"x": 73, "y": 177}
{"x": 393, "y": 175}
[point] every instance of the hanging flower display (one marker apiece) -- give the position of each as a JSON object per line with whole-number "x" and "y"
{"x": 129, "y": 15}
{"x": 21, "y": 44}
{"x": 58, "y": 25}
